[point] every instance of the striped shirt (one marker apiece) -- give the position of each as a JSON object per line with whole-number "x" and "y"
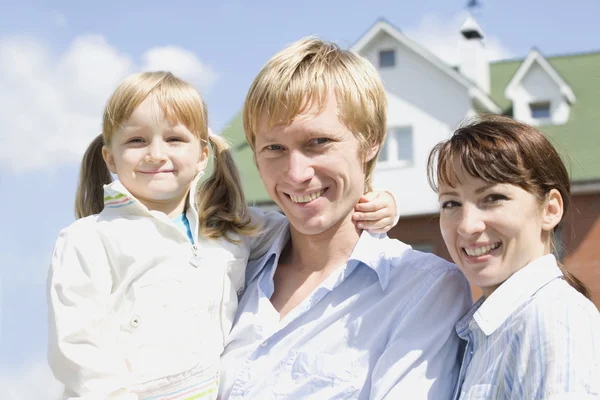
{"x": 535, "y": 337}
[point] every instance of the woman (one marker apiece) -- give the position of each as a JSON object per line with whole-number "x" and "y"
{"x": 534, "y": 334}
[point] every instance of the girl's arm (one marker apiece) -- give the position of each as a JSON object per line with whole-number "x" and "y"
{"x": 376, "y": 212}
{"x": 82, "y": 329}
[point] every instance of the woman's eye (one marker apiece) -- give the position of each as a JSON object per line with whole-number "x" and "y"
{"x": 495, "y": 197}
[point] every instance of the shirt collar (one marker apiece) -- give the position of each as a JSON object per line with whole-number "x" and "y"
{"x": 370, "y": 250}
{"x": 281, "y": 240}
{"x": 116, "y": 196}
{"x": 514, "y": 292}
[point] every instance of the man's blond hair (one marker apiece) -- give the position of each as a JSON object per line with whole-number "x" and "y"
{"x": 302, "y": 75}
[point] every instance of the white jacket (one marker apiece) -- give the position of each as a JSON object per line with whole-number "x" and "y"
{"x": 131, "y": 299}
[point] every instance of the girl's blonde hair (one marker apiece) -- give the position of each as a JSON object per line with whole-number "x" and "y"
{"x": 219, "y": 199}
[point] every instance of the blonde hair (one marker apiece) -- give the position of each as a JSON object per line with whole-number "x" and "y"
{"x": 302, "y": 75}
{"x": 220, "y": 201}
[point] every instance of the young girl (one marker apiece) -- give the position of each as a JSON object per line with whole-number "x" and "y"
{"x": 143, "y": 288}
{"x": 534, "y": 334}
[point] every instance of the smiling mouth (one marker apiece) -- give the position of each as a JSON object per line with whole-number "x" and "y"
{"x": 482, "y": 250}
{"x": 156, "y": 172}
{"x": 307, "y": 197}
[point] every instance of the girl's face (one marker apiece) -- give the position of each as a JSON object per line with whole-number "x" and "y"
{"x": 493, "y": 230}
{"x": 156, "y": 160}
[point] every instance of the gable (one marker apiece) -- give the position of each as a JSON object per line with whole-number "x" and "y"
{"x": 384, "y": 31}
{"x": 578, "y": 140}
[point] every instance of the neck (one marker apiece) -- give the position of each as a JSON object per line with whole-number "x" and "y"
{"x": 326, "y": 250}
{"x": 170, "y": 208}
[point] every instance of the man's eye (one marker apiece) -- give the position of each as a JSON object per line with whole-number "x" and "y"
{"x": 274, "y": 147}
{"x": 321, "y": 140}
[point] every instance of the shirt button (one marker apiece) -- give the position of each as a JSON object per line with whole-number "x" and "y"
{"x": 240, "y": 291}
{"x": 264, "y": 344}
{"x": 135, "y": 321}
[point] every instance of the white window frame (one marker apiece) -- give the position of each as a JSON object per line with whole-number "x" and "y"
{"x": 391, "y": 140}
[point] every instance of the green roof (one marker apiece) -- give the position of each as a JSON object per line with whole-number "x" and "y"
{"x": 244, "y": 158}
{"x": 578, "y": 140}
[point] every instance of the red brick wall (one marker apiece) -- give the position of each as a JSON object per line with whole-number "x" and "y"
{"x": 580, "y": 236}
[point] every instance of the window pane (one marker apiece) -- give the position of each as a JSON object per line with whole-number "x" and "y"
{"x": 540, "y": 110}
{"x": 404, "y": 144}
{"x": 383, "y": 154}
{"x": 387, "y": 58}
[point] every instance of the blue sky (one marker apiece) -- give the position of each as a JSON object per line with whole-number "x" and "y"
{"x": 59, "y": 61}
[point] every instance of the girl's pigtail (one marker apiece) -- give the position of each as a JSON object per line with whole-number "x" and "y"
{"x": 221, "y": 203}
{"x": 94, "y": 174}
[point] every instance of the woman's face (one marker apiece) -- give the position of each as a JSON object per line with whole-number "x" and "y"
{"x": 492, "y": 230}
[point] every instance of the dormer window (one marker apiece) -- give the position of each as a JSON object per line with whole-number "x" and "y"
{"x": 387, "y": 58}
{"x": 540, "y": 110}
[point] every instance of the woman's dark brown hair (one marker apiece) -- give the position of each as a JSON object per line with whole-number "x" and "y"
{"x": 499, "y": 149}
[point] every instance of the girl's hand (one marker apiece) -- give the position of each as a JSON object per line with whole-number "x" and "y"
{"x": 376, "y": 212}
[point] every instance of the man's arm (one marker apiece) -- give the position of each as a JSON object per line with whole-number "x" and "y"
{"x": 423, "y": 360}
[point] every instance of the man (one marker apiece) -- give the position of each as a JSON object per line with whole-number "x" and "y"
{"x": 331, "y": 311}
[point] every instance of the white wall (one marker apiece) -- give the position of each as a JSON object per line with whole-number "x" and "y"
{"x": 432, "y": 103}
{"x": 537, "y": 86}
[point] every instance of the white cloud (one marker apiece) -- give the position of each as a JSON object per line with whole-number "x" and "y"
{"x": 441, "y": 37}
{"x": 182, "y": 63}
{"x": 52, "y": 104}
{"x": 32, "y": 382}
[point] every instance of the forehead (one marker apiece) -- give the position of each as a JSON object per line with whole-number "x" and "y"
{"x": 310, "y": 121}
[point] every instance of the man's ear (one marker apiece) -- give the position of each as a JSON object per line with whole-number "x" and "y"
{"x": 203, "y": 162}
{"x": 109, "y": 159}
{"x": 371, "y": 153}
{"x": 552, "y": 212}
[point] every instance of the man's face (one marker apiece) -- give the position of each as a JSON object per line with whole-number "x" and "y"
{"x": 311, "y": 168}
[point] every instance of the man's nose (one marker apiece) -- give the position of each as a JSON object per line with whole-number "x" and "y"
{"x": 299, "y": 168}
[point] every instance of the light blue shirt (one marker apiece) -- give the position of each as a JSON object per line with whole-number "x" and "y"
{"x": 380, "y": 326}
{"x": 183, "y": 224}
{"x": 535, "y": 337}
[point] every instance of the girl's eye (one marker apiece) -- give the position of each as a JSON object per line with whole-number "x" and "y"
{"x": 175, "y": 139}
{"x": 135, "y": 140}
{"x": 450, "y": 204}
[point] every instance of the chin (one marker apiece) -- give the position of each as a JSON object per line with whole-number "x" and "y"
{"x": 314, "y": 226}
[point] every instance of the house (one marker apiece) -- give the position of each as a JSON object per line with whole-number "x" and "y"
{"x": 428, "y": 98}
